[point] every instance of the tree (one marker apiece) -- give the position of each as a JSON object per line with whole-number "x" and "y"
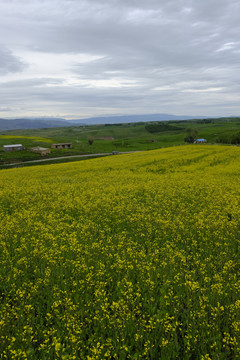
{"x": 191, "y": 135}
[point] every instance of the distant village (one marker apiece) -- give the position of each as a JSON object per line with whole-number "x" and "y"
{"x": 45, "y": 151}
{"x": 38, "y": 149}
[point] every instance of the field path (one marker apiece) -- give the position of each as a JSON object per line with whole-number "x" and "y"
{"x": 68, "y": 157}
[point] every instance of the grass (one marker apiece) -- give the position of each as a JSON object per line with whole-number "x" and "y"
{"x": 126, "y": 137}
{"x": 126, "y": 257}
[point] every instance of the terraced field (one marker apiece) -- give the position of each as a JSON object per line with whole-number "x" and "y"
{"x": 128, "y": 257}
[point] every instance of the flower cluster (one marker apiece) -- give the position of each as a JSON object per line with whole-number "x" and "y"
{"x": 126, "y": 257}
{"x": 22, "y": 137}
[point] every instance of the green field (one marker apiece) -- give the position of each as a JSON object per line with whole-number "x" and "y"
{"x": 133, "y": 256}
{"x": 125, "y": 137}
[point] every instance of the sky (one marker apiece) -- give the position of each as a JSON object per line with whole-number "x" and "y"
{"x": 81, "y": 58}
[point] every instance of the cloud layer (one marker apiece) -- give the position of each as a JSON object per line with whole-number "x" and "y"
{"x": 82, "y": 58}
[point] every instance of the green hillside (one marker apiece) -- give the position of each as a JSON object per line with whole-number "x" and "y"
{"x": 120, "y": 137}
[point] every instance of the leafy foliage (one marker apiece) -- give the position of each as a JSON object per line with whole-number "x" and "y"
{"x": 205, "y": 121}
{"x": 230, "y": 139}
{"x": 191, "y": 135}
{"x": 159, "y": 127}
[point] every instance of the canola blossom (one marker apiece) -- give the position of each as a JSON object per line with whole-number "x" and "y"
{"x": 34, "y": 138}
{"x": 133, "y": 256}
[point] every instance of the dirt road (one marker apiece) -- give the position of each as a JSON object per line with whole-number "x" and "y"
{"x": 66, "y": 157}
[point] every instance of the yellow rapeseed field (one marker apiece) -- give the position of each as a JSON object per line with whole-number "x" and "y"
{"x": 133, "y": 256}
{"x": 22, "y": 137}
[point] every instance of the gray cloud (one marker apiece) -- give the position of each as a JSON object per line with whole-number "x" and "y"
{"x": 9, "y": 62}
{"x": 178, "y": 56}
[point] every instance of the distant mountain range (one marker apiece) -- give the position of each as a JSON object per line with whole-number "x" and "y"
{"x": 133, "y": 118}
{"x": 38, "y": 123}
{"x": 26, "y": 123}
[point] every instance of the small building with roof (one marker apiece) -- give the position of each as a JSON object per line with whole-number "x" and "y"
{"x": 13, "y": 147}
{"x": 62, "y": 146}
{"x": 200, "y": 141}
{"x": 41, "y": 150}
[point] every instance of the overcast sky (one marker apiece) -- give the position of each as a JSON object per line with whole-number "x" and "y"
{"x": 76, "y": 58}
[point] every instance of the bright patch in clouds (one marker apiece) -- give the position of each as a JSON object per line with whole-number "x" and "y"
{"x": 42, "y": 64}
{"x": 227, "y": 46}
{"x": 202, "y": 90}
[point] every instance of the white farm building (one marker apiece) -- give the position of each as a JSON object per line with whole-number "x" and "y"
{"x": 14, "y": 147}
